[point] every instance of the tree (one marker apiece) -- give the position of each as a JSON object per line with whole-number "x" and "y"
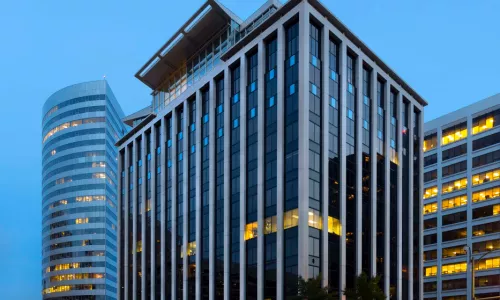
{"x": 312, "y": 289}
{"x": 365, "y": 289}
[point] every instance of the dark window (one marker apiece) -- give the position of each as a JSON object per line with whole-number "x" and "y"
{"x": 454, "y": 284}
{"x": 486, "y": 141}
{"x": 430, "y": 239}
{"x": 430, "y": 223}
{"x": 454, "y": 152}
{"x": 454, "y": 234}
{"x": 431, "y": 175}
{"x": 486, "y": 211}
{"x": 454, "y": 168}
{"x": 430, "y": 255}
{"x": 454, "y": 218}
{"x": 486, "y": 159}
{"x": 430, "y": 160}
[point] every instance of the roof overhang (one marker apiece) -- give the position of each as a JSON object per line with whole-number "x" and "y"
{"x": 209, "y": 20}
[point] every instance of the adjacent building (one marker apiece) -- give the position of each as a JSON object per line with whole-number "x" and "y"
{"x": 462, "y": 202}
{"x": 278, "y": 146}
{"x": 80, "y": 126}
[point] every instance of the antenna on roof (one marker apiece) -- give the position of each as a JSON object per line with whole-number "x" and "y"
{"x": 104, "y": 77}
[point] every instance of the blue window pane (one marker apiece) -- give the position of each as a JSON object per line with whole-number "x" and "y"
{"x": 271, "y": 74}
{"x": 158, "y": 170}
{"x": 193, "y": 148}
{"x": 205, "y": 118}
{"x": 180, "y": 157}
{"x": 169, "y": 143}
{"x": 314, "y": 89}
{"x": 236, "y": 123}
{"x": 314, "y": 60}
{"x": 333, "y": 75}
{"x": 393, "y": 144}
{"x": 271, "y": 101}
{"x": 149, "y": 175}
{"x": 365, "y": 124}
{"x": 205, "y": 141}
{"x": 380, "y": 111}
{"x": 236, "y": 98}
{"x": 220, "y": 108}
{"x": 169, "y": 164}
{"x": 131, "y": 186}
{"x": 253, "y": 85}
{"x": 366, "y": 100}
{"x": 350, "y": 114}
{"x": 180, "y": 135}
{"x": 291, "y": 89}
{"x": 193, "y": 127}
{"x": 333, "y": 102}
{"x": 393, "y": 121}
{"x": 139, "y": 163}
{"x": 350, "y": 88}
{"x": 149, "y": 156}
{"x": 252, "y": 113}
{"x": 221, "y": 132}
{"x": 380, "y": 135}
{"x": 292, "y": 60}
{"x": 140, "y": 181}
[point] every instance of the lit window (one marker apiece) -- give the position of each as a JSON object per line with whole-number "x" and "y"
{"x": 430, "y": 208}
{"x": 430, "y": 192}
{"x": 483, "y": 124}
{"x": 454, "y": 134}
{"x": 270, "y": 225}
{"x": 315, "y": 219}
{"x": 455, "y": 185}
{"x": 454, "y": 202}
{"x": 191, "y": 249}
{"x": 138, "y": 246}
{"x": 430, "y": 271}
{"x": 99, "y": 175}
{"x": 334, "y": 226}
{"x": 291, "y": 218}
{"x": 430, "y": 142}
{"x": 486, "y": 194}
{"x": 81, "y": 220}
{"x": 250, "y": 231}
{"x": 485, "y": 177}
{"x": 489, "y": 263}
{"x": 53, "y": 152}
{"x": 71, "y": 124}
{"x": 454, "y": 268}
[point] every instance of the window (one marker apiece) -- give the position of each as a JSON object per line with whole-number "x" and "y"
{"x": 191, "y": 249}
{"x": 487, "y": 228}
{"x": 454, "y": 202}
{"x": 430, "y": 271}
{"x": 270, "y": 225}
{"x": 485, "y": 122}
{"x": 430, "y": 239}
{"x": 334, "y": 226}
{"x": 72, "y": 124}
{"x": 454, "y": 284}
{"x": 454, "y": 168}
{"x": 453, "y": 186}
{"x": 291, "y": 218}
{"x": 430, "y": 208}
{"x": 81, "y": 220}
{"x": 430, "y": 192}
{"x": 430, "y": 160}
{"x": 486, "y": 194}
{"x": 315, "y": 219}
{"x": 454, "y": 134}
{"x": 430, "y": 286}
{"x": 430, "y": 223}
{"x": 486, "y": 141}
{"x": 454, "y": 268}
{"x": 486, "y": 159}
{"x": 486, "y": 264}
{"x": 430, "y": 255}
{"x": 250, "y": 231}
{"x": 454, "y": 152}
{"x": 454, "y": 218}
{"x": 456, "y": 234}
{"x": 431, "y": 175}
{"x": 486, "y": 246}
{"x": 430, "y": 142}
{"x": 453, "y": 251}
{"x": 485, "y": 177}
{"x": 486, "y": 211}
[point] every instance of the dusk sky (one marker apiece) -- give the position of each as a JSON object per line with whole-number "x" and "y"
{"x": 447, "y": 50}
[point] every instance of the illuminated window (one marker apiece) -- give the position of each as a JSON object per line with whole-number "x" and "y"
{"x": 315, "y": 219}
{"x": 454, "y": 134}
{"x": 482, "y": 124}
{"x": 454, "y": 202}
{"x": 489, "y": 263}
{"x": 430, "y": 142}
{"x": 53, "y": 152}
{"x": 486, "y": 177}
{"x": 71, "y": 124}
{"x": 191, "y": 248}
{"x": 486, "y": 194}
{"x": 90, "y": 198}
{"x": 270, "y": 225}
{"x": 453, "y": 251}
{"x": 80, "y": 276}
{"x": 250, "y": 231}
{"x": 81, "y": 220}
{"x": 139, "y": 246}
{"x": 334, "y": 226}
{"x": 430, "y": 271}
{"x": 291, "y": 218}
{"x": 99, "y": 175}
{"x": 453, "y": 186}
{"x": 430, "y": 192}
{"x": 454, "y": 268}
{"x": 430, "y": 208}
{"x": 99, "y": 164}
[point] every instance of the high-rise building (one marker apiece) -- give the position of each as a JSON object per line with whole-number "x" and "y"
{"x": 279, "y": 146}
{"x": 81, "y": 124}
{"x": 462, "y": 202}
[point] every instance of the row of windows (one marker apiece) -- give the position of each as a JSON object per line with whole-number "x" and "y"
{"x": 75, "y": 287}
{"x": 486, "y": 211}
{"x": 454, "y": 152}
{"x": 73, "y": 221}
{"x": 487, "y": 194}
{"x": 486, "y": 159}
{"x": 447, "y": 269}
{"x": 76, "y": 265}
{"x": 72, "y": 178}
{"x": 72, "y": 124}
{"x": 73, "y": 156}
{"x": 486, "y": 121}
{"x": 78, "y": 276}
{"x": 77, "y": 188}
{"x": 82, "y": 132}
{"x": 83, "y": 143}
{"x": 454, "y": 168}
{"x": 73, "y": 101}
{"x": 77, "y": 254}
{"x": 486, "y": 141}
{"x": 82, "y": 110}
{"x": 453, "y": 186}
{"x": 98, "y": 242}
{"x": 484, "y": 177}
{"x": 69, "y": 233}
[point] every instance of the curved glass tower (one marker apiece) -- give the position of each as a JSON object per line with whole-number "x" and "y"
{"x": 80, "y": 126}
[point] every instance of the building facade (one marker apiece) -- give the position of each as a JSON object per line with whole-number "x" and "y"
{"x": 81, "y": 124}
{"x": 462, "y": 202}
{"x": 280, "y": 146}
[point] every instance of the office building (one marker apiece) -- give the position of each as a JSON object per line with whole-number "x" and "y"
{"x": 278, "y": 146}
{"x": 462, "y": 202}
{"x": 81, "y": 124}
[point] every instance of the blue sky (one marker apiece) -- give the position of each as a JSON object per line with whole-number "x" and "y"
{"x": 447, "y": 50}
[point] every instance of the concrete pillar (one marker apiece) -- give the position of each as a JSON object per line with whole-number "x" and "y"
{"x": 211, "y": 193}
{"x": 410, "y": 132}
{"x": 373, "y": 177}
{"x": 173, "y": 280}
{"x": 399, "y": 245}
{"x": 126, "y": 253}
{"x": 243, "y": 172}
{"x": 359, "y": 161}
{"x": 387, "y": 238}
{"x": 198, "y": 193}
{"x": 143, "y": 216}
{"x": 227, "y": 182}
{"x": 185, "y": 194}
{"x": 152, "y": 245}
{"x": 134, "y": 221}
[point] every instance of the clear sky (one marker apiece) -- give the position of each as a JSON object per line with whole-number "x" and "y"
{"x": 447, "y": 50}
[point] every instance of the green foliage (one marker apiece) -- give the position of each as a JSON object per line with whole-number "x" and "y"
{"x": 366, "y": 289}
{"x": 312, "y": 289}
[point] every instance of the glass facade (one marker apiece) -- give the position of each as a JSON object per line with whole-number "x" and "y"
{"x": 80, "y": 209}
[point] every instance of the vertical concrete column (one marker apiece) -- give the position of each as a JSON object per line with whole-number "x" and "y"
{"x": 343, "y": 174}
{"x": 260, "y": 168}
{"x": 198, "y": 193}
{"x": 439, "y": 212}
{"x": 173, "y": 280}
{"x": 163, "y": 212}
{"x": 185, "y": 195}
{"x": 134, "y": 221}
{"x": 227, "y": 182}
{"x": 119, "y": 291}
{"x": 243, "y": 173}
{"x": 143, "y": 216}
{"x": 359, "y": 162}
{"x": 373, "y": 166}
{"x": 211, "y": 193}
{"x": 387, "y": 236}
{"x": 469, "y": 200}
{"x": 399, "y": 245}
{"x": 280, "y": 102}
{"x": 325, "y": 111}
{"x": 303, "y": 90}
{"x": 152, "y": 246}
{"x": 420, "y": 197}
{"x": 126, "y": 227}
{"x": 410, "y": 132}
